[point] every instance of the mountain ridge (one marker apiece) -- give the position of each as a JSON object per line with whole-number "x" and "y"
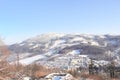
{"x": 53, "y": 45}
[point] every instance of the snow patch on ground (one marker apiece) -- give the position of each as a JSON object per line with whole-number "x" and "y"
{"x": 94, "y": 43}
{"x": 102, "y": 36}
{"x": 31, "y": 59}
{"x": 30, "y": 44}
{"x": 101, "y": 62}
{"x": 23, "y": 55}
{"x": 75, "y": 52}
{"x": 78, "y": 39}
{"x": 50, "y": 53}
{"x": 37, "y": 45}
{"x": 58, "y": 42}
{"x": 88, "y": 35}
{"x": 21, "y": 44}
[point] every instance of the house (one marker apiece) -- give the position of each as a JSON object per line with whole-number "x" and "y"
{"x": 27, "y": 78}
{"x": 59, "y": 76}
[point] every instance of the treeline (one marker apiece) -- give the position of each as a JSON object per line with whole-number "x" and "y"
{"x": 18, "y": 70}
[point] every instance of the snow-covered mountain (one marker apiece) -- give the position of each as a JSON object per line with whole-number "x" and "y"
{"x": 51, "y": 46}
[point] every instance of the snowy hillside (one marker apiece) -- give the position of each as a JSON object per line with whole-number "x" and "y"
{"x": 51, "y": 46}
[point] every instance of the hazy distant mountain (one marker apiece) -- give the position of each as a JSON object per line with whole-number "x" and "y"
{"x": 53, "y": 45}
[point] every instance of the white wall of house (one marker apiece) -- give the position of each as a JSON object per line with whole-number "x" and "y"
{"x": 26, "y": 78}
